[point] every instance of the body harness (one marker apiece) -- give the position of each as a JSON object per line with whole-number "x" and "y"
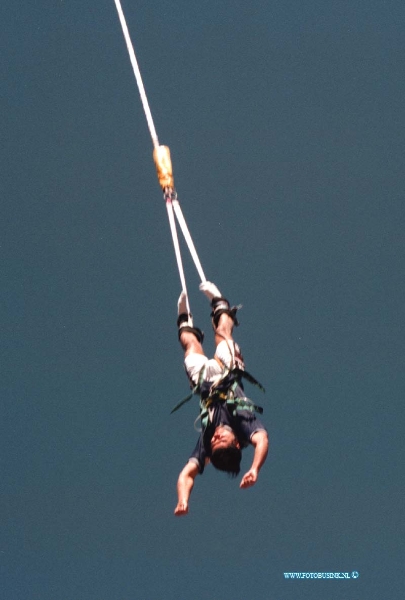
{"x": 222, "y": 390}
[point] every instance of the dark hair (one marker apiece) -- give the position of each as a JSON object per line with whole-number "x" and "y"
{"x": 227, "y": 459}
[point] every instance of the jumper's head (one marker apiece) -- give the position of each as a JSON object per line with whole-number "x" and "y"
{"x": 226, "y": 453}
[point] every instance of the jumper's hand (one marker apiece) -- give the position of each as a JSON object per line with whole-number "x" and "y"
{"x": 181, "y": 508}
{"x": 249, "y": 478}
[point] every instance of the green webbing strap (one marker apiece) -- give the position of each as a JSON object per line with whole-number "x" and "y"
{"x": 249, "y": 378}
{"x": 180, "y": 404}
{"x": 194, "y": 391}
{"x": 245, "y": 404}
{"x": 239, "y": 372}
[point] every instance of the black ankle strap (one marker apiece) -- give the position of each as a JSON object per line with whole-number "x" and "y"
{"x": 195, "y": 330}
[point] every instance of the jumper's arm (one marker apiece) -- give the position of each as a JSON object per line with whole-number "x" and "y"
{"x": 260, "y": 442}
{"x": 185, "y": 485}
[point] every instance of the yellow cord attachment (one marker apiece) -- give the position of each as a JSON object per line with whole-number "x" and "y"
{"x": 161, "y": 156}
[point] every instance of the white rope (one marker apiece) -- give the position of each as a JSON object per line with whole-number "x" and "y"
{"x": 137, "y": 73}
{"x": 171, "y": 204}
{"x": 187, "y": 237}
{"x": 176, "y": 245}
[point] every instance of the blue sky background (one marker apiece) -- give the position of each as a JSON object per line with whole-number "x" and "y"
{"x": 285, "y": 124}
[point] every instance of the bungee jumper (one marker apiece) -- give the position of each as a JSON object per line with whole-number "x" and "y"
{"x": 228, "y": 420}
{"x": 227, "y": 417}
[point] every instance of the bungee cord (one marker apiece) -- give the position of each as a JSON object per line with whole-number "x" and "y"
{"x": 172, "y": 222}
{"x": 183, "y": 225}
{"x": 161, "y": 156}
{"x": 137, "y": 74}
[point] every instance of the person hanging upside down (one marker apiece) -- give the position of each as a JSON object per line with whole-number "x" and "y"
{"x": 228, "y": 418}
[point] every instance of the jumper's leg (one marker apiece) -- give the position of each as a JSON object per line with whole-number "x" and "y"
{"x": 224, "y": 329}
{"x": 190, "y": 342}
{"x": 190, "y": 337}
